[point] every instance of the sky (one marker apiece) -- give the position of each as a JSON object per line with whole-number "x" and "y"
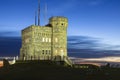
{"x": 93, "y": 25}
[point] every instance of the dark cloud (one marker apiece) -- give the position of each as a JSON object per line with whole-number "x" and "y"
{"x": 10, "y": 46}
{"x": 79, "y": 42}
{"x": 84, "y": 42}
{"x": 90, "y": 53}
{"x": 88, "y": 47}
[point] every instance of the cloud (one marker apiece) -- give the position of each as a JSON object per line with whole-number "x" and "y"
{"x": 113, "y": 60}
{"x": 8, "y": 30}
{"x": 84, "y": 46}
{"x": 85, "y": 42}
{"x": 105, "y": 59}
{"x": 10, "y": 27}
{"x": 90, "y": 53}
{"x": 82, "y": 42}
{"x": 9, "y": 33}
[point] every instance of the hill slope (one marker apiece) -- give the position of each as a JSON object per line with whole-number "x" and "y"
{"x": 48, "y": 70}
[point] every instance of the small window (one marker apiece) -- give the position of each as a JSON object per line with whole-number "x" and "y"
{"x": 49, "y": 52}
{"x": 42, "y": 51}
{"x": 49, "y": 39}
{"x": 56, "y": 39}
{"x": 46, "y": 39}
{"x": 62, "y": 24}
{"x": 43, "y": 39}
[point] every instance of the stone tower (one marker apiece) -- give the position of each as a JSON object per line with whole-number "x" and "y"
{"x": 59, "y": 37}
{"x": 45, "y": 42}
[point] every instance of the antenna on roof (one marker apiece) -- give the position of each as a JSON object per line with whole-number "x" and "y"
{"x": 38, "y": 12}
{"x": 45, "y": 14}
{"x": 35, "y": 17}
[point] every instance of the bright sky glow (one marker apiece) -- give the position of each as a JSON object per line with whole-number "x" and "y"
{"x": 103, "y": 59}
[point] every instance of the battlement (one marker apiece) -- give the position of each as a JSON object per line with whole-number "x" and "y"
{"x": 58, "y": 21}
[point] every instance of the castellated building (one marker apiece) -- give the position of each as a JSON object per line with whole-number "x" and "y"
{"x": 45, "y": 42}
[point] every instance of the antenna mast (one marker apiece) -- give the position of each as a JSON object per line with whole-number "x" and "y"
{"x": 35, "y": 17}
{"x": 38, "y": 12}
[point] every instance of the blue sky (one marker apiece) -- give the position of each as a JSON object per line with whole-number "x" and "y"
{"x": 96, "y": 21}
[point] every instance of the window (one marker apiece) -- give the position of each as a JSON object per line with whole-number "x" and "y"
{"x": 42, "y": 51}
{"x": 62, "y": 24}
{"x": 43, "y": 39}
{"x": 49, "y": 51}
{"x": 62, "y": 53}
{"x": 56, "y": 39}
{"x": 46, "y": 39}
{"x": 49, "y": 39}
